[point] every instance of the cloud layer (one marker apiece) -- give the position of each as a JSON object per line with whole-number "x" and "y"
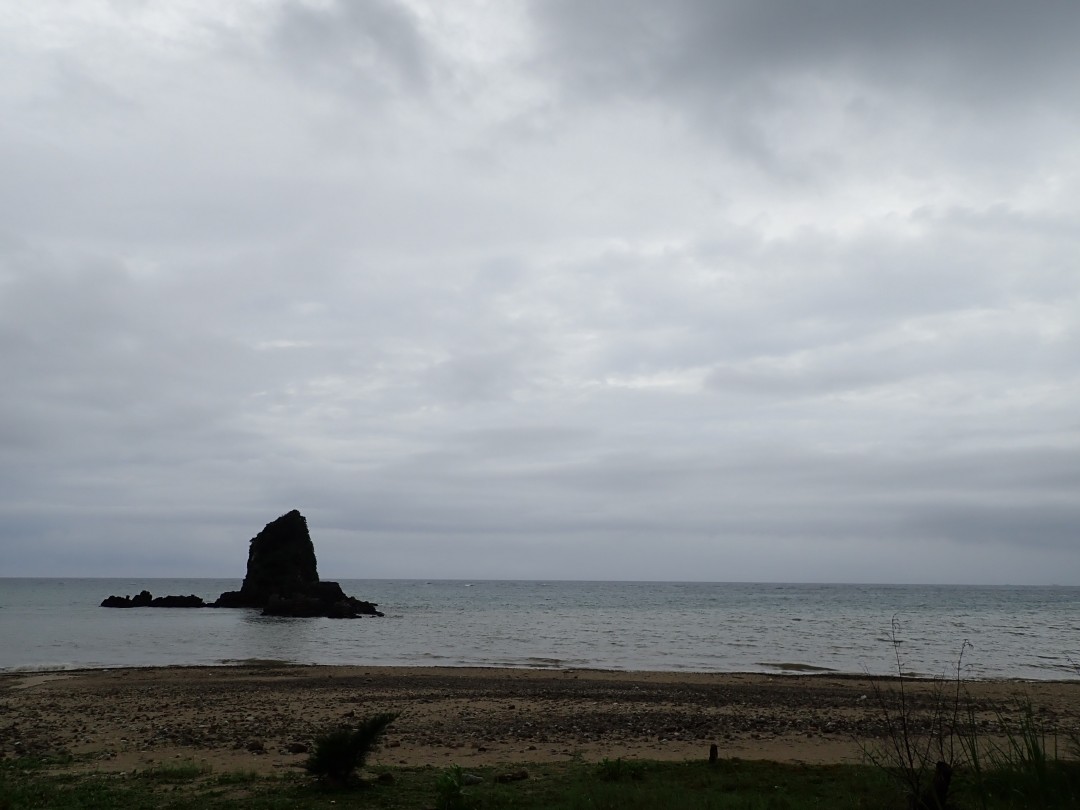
{"x": 698, "y": 290}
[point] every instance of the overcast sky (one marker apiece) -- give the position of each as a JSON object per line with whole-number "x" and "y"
{"x": 585, "y": 289}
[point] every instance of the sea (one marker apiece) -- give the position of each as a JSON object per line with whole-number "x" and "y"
{"x": 788, "y": 629}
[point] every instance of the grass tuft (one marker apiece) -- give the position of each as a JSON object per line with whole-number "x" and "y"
{"x": 174, "y": 773}
{"x": 340, "y": 753}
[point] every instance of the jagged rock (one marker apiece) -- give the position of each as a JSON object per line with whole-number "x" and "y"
{"x": 281, "y": 562}
{"x": 347, "y": 607}
{"x": 190, "y": 601}
{"x": 146, "y": 599}
{"x": 142, "y": 599}
{"x": 282, "y": 579}
{"x": 117, "y": 602}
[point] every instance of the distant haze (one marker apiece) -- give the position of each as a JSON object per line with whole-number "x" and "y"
{"x": 691, "y": 290}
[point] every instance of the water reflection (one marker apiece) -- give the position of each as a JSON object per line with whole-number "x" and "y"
{"x": 277, "y": 638}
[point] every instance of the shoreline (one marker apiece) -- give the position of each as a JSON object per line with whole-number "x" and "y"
{"x": 259, "y": 716}
{"x": 786, "y": 670}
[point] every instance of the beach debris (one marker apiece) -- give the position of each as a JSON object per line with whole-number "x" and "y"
{"x": 471, "y": 779}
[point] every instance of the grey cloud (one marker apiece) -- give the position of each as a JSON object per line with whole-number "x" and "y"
{"x": 527, "y": 441}
{"x": 504, "y": 312}
{"x": 478, "y": 376}
{"x": 805, "y": 90}
{"x": 357, "y": 48}
{"x": 998, "y": 51}
{"x": 76, "y": 88}
{"x": 1042, "y": 526}
{"x": 814, "y": 310}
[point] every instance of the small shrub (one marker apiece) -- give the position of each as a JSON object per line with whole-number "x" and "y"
{"x": 340, "y": 753}
{"x": 449, "y": 790}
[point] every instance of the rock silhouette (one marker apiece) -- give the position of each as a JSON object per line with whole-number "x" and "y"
{"x": 281, "y": 563}
{"x": 282, "y": 579}
{"x": 146, "y": 599}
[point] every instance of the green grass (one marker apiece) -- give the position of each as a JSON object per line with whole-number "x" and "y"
{"x": 173, "y": 774}
{"x": 613, "y": 784}
{"x": 622, "y": 784}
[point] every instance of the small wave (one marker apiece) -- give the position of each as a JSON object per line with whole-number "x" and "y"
{"x": 795, "y": 667}
{"x": 255, "y": 662}
{"x": 62, "y": 667}
{"x": 543, "y": 663}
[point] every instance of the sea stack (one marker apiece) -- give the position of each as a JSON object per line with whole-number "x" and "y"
{"x": 281, "y": 562}
{"x": 283, "y": 577}
{"x": 282, "y": 580}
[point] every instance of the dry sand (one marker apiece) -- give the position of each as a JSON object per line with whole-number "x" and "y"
{"x": 263, "y": 717}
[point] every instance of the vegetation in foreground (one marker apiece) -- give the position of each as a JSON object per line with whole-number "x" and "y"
{"x": 729, "y": 784}
{"x": 339, "y": 754}
{"x": 925, "y": 748}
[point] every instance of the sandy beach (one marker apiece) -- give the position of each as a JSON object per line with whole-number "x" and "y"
{"x": 263, "y": 717}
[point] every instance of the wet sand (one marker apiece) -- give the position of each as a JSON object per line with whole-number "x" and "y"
{"x": 264, "y": 717}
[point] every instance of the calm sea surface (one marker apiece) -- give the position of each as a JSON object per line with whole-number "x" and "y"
{"x": 1014, "y": 632}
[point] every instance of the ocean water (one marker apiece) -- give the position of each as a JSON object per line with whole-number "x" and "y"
{"x": 1004, "y": 632}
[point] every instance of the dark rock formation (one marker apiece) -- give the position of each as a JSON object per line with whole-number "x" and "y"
{"x": 281, "y": 562}
{"x": 121, "y": 601}
{"x": 146, "y": 599}
{"x": 190, "y": 601}
{"x": 282, "y": 579}
{"x": 141, "y": 599}
{"x": 321, "y": 599}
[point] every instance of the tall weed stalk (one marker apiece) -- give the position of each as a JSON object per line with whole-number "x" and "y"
{"x": 921, "y": 747}
{"x": 1017, "y": 764}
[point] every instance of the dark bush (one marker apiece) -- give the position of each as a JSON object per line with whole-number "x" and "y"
{"x": 340, "y": 753}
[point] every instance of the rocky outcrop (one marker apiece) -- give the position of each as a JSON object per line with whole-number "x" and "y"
{"x": 281, "y": 562}
{"x": 190, "y": 601}
{"x": 322, "y": 599}
{"x": 282, "y": 579}
{"x": 143, "y": 599}
{"x": 146, "y": 599}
